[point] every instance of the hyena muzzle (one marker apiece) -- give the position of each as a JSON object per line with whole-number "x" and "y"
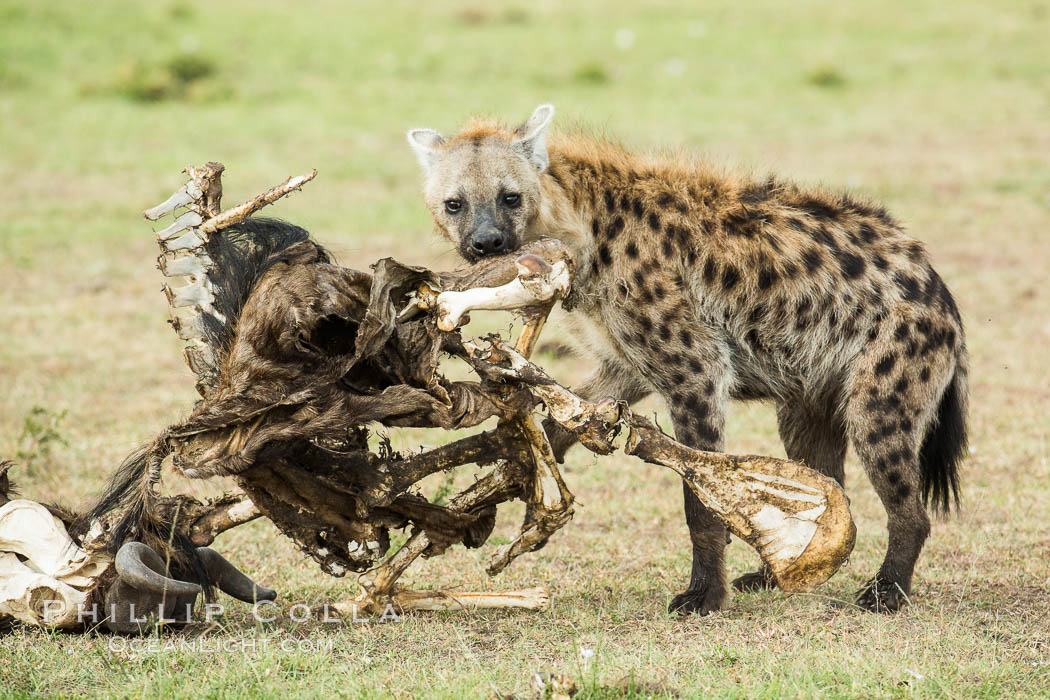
{"x": 704, "y": 286}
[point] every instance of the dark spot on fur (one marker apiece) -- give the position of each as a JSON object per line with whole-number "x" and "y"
{"x": 906, "y": 425}
{"x": 686, "y": 337}
{"x": 706, "y": 433}
{"x": 631, "y": 250}
{"x": 908, "y": 285}
{"x": 790, "y": 270}
{"x": 610, "y": 200}
{"x": 595, "y": 228}
{"x": 615, "y": 227}
{"x": 744, "y": 222}
{"x": 818, "y": 208}
{"x": 812, "y": 259}
{"x": 604, "y": 255}
{"x": 948, "y": 302}
{"x": 902, "y": 332}
{"x": 852, "y": 264}
{"x": 880, "y": 262}
{"x": 868, "y": 209}
{"x": 893, "y": 476}
{"x": 767, "y": 277}
{"x": 902, "y": 384}
{"x": 730, "y": 277}
{"x": 654, "y": 222}
{"x": 637, "y": 208}
{"x": 757, "y": 313}
{"x": 883, "y": 366}
{"x": 710, "y": 270}
{"x": 666, "y": 249}
{"x": 694, "y": 365}
{"x": 867, "y": 233}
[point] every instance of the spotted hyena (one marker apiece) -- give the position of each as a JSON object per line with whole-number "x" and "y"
{"x": 704, "y": 286}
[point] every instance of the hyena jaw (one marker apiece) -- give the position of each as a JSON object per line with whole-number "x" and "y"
{"x": 703, "y": 286}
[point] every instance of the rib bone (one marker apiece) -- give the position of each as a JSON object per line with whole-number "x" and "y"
{"x": 185, "y": 195}
{"x": 195, "y": 266}
{"x": 199, "y": 294}
{"x": 191, "y": 240}
{"x": 190, "y": 219}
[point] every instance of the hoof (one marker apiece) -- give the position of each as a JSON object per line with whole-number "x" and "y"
{"x": 760, "y": 580}
{"x": 882, "y": 596}
{"x": 699, "y": 602}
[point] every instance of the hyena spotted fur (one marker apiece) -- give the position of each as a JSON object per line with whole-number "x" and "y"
{"x": 703, "y": 287}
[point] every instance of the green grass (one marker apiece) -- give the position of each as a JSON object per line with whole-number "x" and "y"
{"x": 940, "y": 109}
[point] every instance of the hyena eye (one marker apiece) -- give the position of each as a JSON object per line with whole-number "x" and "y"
{"x": 512, "y": 200}
{"x": 452, "y": 206}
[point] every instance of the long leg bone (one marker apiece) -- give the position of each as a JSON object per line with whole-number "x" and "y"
{"x": 797, "y": 519}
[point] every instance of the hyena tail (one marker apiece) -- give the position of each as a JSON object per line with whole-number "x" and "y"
{"x": 944, "y": 445}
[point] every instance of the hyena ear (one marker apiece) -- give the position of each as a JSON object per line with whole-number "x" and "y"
{"x": 531, "y": 137}
{"x": 425, "y": 143}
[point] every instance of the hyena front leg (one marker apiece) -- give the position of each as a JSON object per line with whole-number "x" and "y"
{"x": 698, "y": 407}
{"x": 611, "y": 380}
{"x": 813, "y": 432}
{"x": 692, "y": 377}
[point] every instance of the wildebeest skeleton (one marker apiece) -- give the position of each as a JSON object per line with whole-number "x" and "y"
{"x": 296, "y": 357}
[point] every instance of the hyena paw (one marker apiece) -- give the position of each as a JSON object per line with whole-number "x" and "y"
{"x": 882, "y": 596}
{"x": 761, "y": 580}
{"x": 700, "y": 601}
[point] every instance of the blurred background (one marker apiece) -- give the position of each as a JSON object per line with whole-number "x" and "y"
{"x": 941, "y": 110}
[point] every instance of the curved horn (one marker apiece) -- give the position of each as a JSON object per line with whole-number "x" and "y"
{"x": 230, "y": 580}
{"x": 139, "y": 567}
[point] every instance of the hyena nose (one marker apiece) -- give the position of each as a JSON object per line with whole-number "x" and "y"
{"x": 488, "y": 242}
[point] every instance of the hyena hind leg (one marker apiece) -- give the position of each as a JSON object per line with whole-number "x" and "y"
{"x": 904, "y": 394}
{"x": 814, "y": 433}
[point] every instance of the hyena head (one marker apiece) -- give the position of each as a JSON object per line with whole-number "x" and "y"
{"x": 483, "y": 185}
